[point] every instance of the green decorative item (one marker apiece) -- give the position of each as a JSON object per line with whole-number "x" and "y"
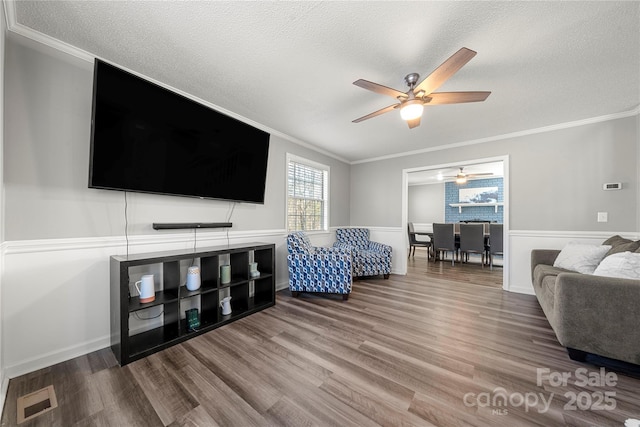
{"x": 225, "y": 274}
{"x": 193, "y": 321}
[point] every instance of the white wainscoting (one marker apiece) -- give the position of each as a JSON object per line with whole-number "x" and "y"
{"x": 55, "y": 293}
{"x": 397, "y": 239}
{"x": 521, "y": 242}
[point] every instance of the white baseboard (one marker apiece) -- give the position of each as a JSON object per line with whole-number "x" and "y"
{"x": 282, "y": 285}
{"x": 65, "y": 354}
{"x": 56, "y": 356}
{"x": 527, "y": 290}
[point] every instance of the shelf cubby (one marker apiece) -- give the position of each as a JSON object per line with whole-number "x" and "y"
{"x": 264, "y": 293}
{"x": 148, "y": 342}
{"x": 162, "y": 297}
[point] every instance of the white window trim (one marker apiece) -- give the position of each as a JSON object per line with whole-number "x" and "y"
{"x": 293, "y": 158}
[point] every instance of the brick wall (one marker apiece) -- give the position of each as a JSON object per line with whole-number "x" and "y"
{"x": 485, "y": 213}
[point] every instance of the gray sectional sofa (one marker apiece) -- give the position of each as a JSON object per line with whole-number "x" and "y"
{"x": 591, "y": 315}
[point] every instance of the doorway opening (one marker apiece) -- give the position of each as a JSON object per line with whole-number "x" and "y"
{"x": 469, "y": 191}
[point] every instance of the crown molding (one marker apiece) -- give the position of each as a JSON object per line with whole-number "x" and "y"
{"x": 9, "y": 13}
{"x": 17, "y": 28}
{"x": 551, "y": 128}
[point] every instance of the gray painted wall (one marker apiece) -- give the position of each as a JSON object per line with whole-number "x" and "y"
{"x": 556, "y": 178}
{"x": 47, "y": 156}
{"x": 426, "y": 203}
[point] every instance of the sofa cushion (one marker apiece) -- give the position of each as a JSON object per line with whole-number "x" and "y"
{"x": 580, "y": 257}
{"x": 544, "y": 284}
{"x": 620, "y": 244}
{"x": 624, "y": 247}
{"x": 616, "y": 240}
{"x": 543, "y": 270}
{"x": 625, "y": 265}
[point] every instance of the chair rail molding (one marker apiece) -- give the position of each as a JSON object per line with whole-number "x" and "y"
{"x": 522, "y": 242}
{"x": 66, "y": 281}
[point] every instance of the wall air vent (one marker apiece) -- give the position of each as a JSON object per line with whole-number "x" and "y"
{"x": 612, "y": 186}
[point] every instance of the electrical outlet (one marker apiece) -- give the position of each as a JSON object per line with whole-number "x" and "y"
{"x": 603, "y": 216}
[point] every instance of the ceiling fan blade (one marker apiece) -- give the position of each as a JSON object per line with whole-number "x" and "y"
{"x": 375, "y": 87}
{"x": 376, "y": 113}
{"x": 447, "y": 69}
{"x": 413, "y": 123}
{"x": 439, "y": 98}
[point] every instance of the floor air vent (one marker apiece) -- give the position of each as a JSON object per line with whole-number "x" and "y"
{"x": 36, "y": 403}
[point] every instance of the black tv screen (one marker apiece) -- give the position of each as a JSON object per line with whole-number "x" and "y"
{"x": 146, "y": 138}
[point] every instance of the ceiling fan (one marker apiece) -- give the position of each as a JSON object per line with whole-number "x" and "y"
{"x": 462, "y": 177}
{"x": 413, "y": 101}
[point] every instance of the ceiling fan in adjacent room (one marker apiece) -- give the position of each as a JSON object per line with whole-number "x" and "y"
{"x": 420, "y": 94}
{"x": 462, "y": 177}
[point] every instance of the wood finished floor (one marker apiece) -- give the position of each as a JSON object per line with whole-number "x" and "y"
{"x": 400, "y": 352}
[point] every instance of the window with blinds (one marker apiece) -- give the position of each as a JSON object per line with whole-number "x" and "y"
{"x": 307, "y": 195}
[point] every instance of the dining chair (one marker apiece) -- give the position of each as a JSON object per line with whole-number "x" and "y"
{"x": 414, "y": 242}
{"x": 496, "y": 238}
{"x": 486, "y": 228}
{"x": 444, "y": 240}
{"x": 472, "y": 241}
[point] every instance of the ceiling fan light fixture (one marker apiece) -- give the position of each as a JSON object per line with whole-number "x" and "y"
{"x": 411, "y": 109}
{"x": 412, "y": 102}
{"x": 461, "y": 180}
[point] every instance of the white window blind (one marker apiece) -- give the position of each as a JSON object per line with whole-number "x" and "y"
{"x": 307, "y": 194}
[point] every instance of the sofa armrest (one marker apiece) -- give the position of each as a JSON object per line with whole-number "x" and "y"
{"x": 598, "y": 315}
{"x": 543, "y": 256}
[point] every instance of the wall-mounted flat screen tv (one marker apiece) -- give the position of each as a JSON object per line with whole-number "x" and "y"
{"x": 145, "y": 138}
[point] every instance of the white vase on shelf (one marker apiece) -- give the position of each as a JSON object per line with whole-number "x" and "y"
{"x": 193, "y": 278}
{"x": 253, "y": 270}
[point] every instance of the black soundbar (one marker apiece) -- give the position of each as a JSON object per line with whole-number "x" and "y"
{"x": 178, "y": 225}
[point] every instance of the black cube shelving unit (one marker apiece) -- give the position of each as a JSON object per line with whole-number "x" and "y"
{"x": 248, "y": 295}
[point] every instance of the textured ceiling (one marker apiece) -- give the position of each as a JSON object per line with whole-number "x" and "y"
{"x": 289, "y": 66}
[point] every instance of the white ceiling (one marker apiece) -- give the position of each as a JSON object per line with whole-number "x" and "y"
{"x": 289, "y": 66}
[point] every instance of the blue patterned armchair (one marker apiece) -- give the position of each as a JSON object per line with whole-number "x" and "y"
{"x": 369, "y": 258}
{"x": 317, "y": 269}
